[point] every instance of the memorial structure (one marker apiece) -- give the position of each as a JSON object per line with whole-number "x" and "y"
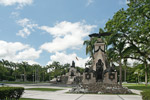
{"x": 100, "y": 71}
{"x": 72, "y": 77}
{"x": 100, "y": 77}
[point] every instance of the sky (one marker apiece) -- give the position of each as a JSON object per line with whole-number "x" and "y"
{"x": 43, "y": 31}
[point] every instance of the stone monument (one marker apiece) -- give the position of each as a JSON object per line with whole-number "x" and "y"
{"x": 73, "y": 74}
{"x": 101, "y": 71}
{"x": 100, "y": 77}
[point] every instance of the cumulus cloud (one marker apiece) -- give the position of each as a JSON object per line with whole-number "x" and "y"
{"x": 20, "y": 3}
{"x": 66, "y": 35}
{"x": 131, "y": 62}
{"x": 89, "y": 2}
{"x": 29, "y": 53}
{"x": 64, "y": 58}
{"x": 27, "y": 25}
{"x": 17, "y": 52}
{"x": 123, "y": 2}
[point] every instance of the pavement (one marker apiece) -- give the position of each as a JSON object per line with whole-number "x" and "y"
{"x": 62, "y": 95}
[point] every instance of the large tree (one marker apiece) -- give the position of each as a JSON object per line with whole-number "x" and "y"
{"x": 134, "y": 24}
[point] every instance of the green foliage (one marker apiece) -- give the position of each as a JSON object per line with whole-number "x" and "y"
{"x": 130, "y": 36}
{"x": 56, "y": 69}
{"x": 11, "y": 93}
{"x": 146, "y": 95}
{"x": 80, "y": 70}
{"x": 23, "y": 72}
{"x": 90, "y": 46}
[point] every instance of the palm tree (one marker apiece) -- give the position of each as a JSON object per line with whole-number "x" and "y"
{"x": 125, "y": 69}
{"x": 118, "y": 51}
{"x": 90, "y": 46}
{"x": 24, "y": 65}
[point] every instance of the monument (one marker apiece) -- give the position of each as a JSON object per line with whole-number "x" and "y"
{"x": 73, "y": 75}
{"x": 100, "y": 71}
{"x": 100, "y": 77}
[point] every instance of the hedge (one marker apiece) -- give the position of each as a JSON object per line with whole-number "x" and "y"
{"x": 9, "y": 93}
{"x": 146, "y": 95}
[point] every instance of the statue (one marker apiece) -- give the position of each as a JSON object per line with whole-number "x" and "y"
{"x": 73, "y": 64}
{"x": 99, "y": 70}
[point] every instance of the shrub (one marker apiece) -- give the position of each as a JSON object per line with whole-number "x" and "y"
{"x": 146, "y": 95}
{"x": 8, "y": 93}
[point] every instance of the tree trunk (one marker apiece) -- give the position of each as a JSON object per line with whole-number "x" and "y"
{"x": 35, "y": 75}
{"x": 15, "y": 74}
{"x": 125, "y": 73}
{"x": 43, "y": 76}
{"x": 145, "y": 74}
{"x": 24, "y": 75}
{"x": 120, "y": 78}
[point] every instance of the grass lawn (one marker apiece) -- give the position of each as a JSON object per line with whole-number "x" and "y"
{"x": 44, "y": 89}
{"x": 29, "y": 99}
{"x": 13, "y": 82}
{"x": 138, "y": 86}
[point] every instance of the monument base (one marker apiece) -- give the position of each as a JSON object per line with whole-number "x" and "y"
{"x": 101, "y": 88}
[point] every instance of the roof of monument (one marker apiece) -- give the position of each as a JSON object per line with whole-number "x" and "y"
{"x": 100, "y": 34}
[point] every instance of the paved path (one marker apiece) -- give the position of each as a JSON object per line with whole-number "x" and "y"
{"x": 62, "y": 95}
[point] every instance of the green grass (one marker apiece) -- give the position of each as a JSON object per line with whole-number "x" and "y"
{"x": 137, "y": 86}
{"x": 29, "y": 99}
{"x": 13, "y": 82}
{"x": 143, "y": 88}
{"x": 44, "y": 89}
{"x": 134, "y": 84}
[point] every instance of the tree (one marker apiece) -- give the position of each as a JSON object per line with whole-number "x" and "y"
{"x": 125, "y": 69}
{"x": 134, "y": 25}
{"x": 90, "y": 46}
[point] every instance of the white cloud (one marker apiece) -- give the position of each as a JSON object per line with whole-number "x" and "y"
{"x": 123, "y": 2}
{"x": 131, "y": 62}
{"x": 30, "y": 53}
{"x": 89, "y": 2}
{"x": 17, "y": 52}
{"x": 63, "y": 58}
{"x": 20, "y": 3}
{"x": 15, "y": 14}
{"x": 31, "y": 62}
{"x": 28, "y": 27}
{"x": 66, "y": 35}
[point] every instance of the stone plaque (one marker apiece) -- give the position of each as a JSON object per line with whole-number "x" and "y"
{"x": 112, "y": 76}
{"x": 88, "y": 76}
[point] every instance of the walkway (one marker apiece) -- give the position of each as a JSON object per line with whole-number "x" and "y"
{"x": 62, "y": 95}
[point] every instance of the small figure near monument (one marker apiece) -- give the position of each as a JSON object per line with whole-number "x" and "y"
{"x": 73, "y": 64}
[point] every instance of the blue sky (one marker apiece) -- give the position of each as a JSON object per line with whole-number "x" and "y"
{"x": 43, "y": 31}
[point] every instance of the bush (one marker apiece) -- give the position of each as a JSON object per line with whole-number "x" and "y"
{"x": 8, "y": 93}
{"x": 146, "y": 95}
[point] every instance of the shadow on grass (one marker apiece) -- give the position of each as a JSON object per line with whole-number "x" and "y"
{"x": 44, "y": 89}
{"x": 29, "y": 99}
